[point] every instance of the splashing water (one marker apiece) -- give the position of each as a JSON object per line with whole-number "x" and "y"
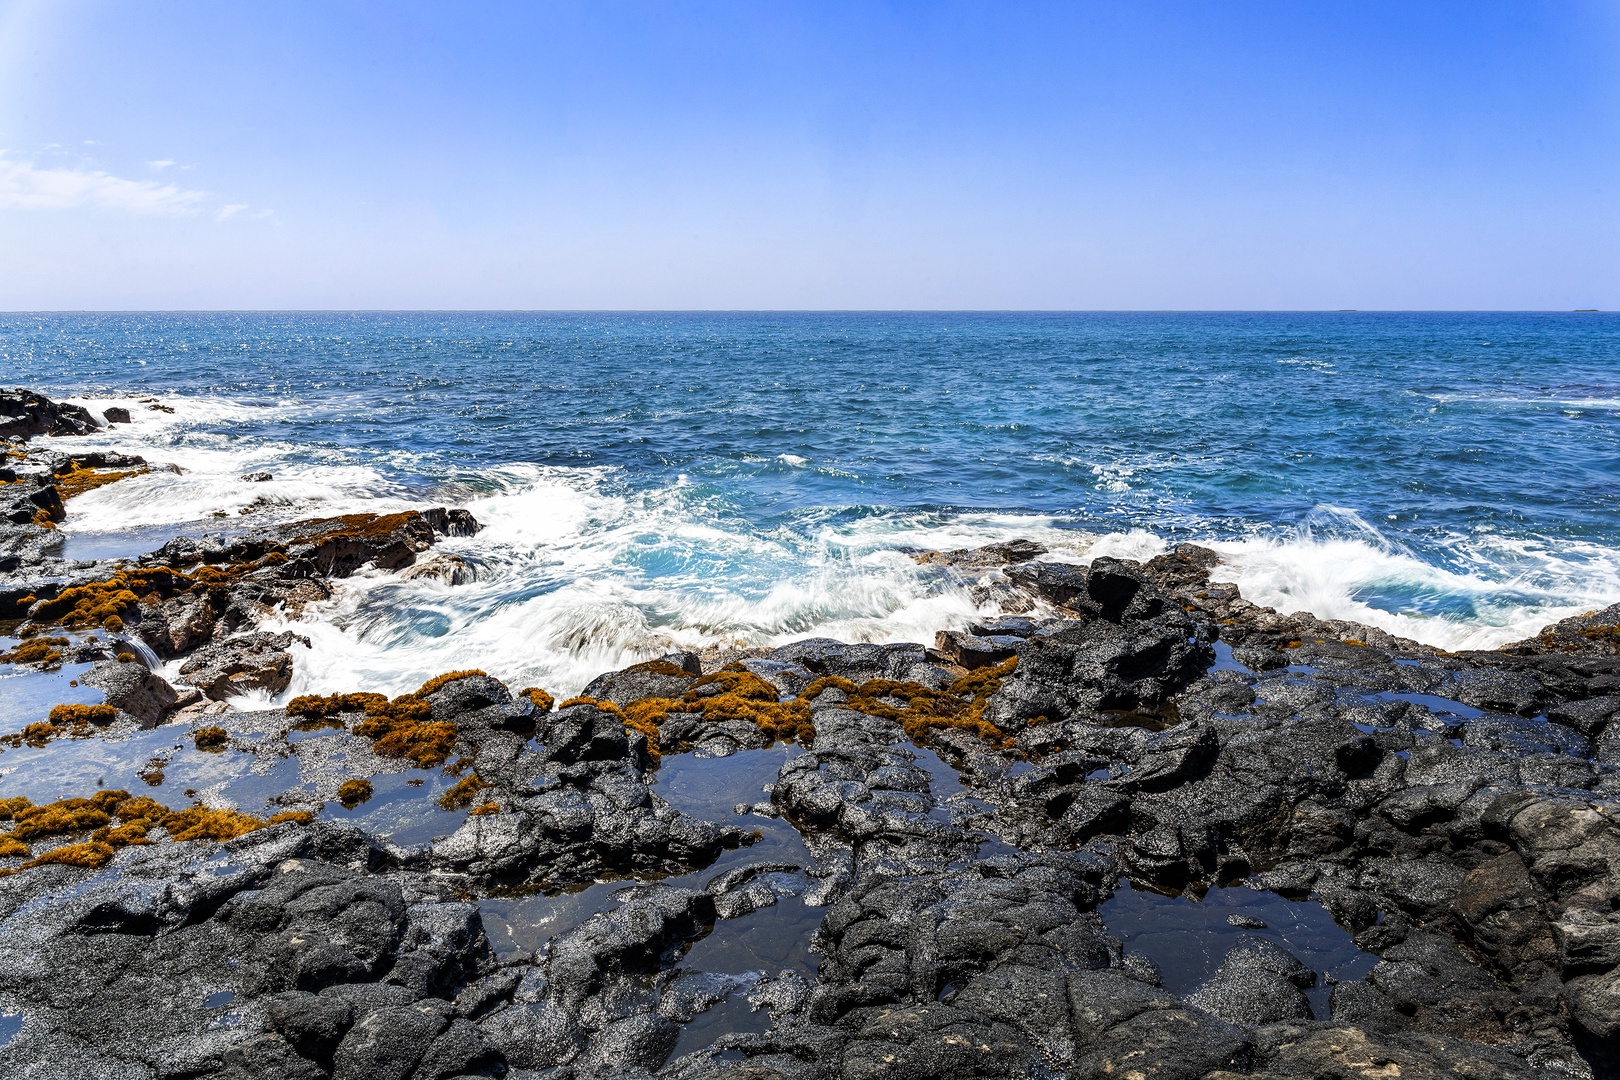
{"x": 653, "y": 482}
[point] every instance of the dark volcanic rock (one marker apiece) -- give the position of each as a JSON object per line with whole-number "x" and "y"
{"x": 240, "y": 665}
{"x": 576, "y": 808}
{"x": 901, "y": 662}
{"x": 1459, "y": 814}
{"x": 1133, "y": 652}
{"x": 24, "y": 413}
{"x": 1259, "y": 983}
{"x": 131, "y": 688}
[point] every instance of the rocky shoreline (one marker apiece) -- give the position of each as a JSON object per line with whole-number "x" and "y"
{"x": 821, "y": 860}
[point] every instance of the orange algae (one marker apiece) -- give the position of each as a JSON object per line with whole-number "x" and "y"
{"x": 735, "y": 693}
{"x": 439, "y": 682}
{"x": 355, "y": 526}
{"x": 136, "y": 816}
{"x": 485, "y": 809}
{"x": 35, "y": 735}
{"x": 93, "y": 603}
{"x": 660, "y": 667}
{"x": 62, "y": 816}
{"x": 76, "y": 715}
{"x": 12, "y": 849}
{"x": 211, "y": 738}
{"x": 109, "y": 603}
{"x": 39, "y": 650}
{"x": 92, "y": 854}
{"x": 311, "y": 707}
{"x": 73, "y": 720}
{"x": 463, "y": 793}
{"x": 206, "y": 823}
{"x": 78, "y": 480}
{"x": 401, "y": 728}
{"x": 351, "y": 793}
{"x": 426, "y": 744}
{"x": 542, "y": 700}
{"x": 960, "y": 705}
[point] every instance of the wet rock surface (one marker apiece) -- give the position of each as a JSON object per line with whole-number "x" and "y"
{"x": 1131, "y": 825}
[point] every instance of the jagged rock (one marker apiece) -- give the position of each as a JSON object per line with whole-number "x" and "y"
{"x": 1134, "y": 652}
{"x": 973, "y": 651}
{"x": 902, "y": 662}
{"x": 240, "y": 665}
{"x": 24, "y": 413}
{"x": 962, "y": 875}
{"x": 991, "y": 555}
{"x": 131, "y": 688}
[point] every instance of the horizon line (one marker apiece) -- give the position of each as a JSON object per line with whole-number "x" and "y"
{"x": 805, "y": 311}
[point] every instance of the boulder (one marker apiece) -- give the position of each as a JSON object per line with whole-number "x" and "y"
{"x": 133, "y": 689}
{"x": 240, "y": 665}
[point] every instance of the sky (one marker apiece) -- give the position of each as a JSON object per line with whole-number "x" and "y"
{"x": 779, "y": 155}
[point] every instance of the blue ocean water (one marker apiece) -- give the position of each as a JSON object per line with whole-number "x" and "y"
{"x": 658, "y": 479}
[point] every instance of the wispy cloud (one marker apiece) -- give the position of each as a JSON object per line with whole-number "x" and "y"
{"x": 229, "y": 210}
{"x": 25, "y": 186}
{"x": 160, "y": 164}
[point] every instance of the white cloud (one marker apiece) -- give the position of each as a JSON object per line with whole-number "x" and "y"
{"x": 229, "y": 210}
{"x": 24, "y": 186}
{"x": 161, "y": 163}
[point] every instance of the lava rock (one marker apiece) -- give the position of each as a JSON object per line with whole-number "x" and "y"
{"x": 130, "y": 687}
{"x": 241, "y": 665}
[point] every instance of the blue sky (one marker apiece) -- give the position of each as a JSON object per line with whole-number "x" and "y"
{"x": 1296, "y": 154}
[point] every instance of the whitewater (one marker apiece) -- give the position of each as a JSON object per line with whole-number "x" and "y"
{"x": 648, "y": 483}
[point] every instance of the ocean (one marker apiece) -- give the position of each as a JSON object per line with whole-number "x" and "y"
{"x": 650, "y": 481}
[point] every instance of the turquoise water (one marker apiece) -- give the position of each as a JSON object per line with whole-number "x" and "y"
{"x": 658, "y": 479}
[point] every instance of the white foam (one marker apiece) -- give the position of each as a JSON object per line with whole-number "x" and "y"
{"x": 576, "y": 573}
{"x": 573, "y": 579}
{"x": 197, "y": 469}
{"x": 1502, "y": 589}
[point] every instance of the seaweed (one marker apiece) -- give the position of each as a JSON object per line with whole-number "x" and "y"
{"x": 462, "y": 794}
{"x": 78, "y": 479}
{"x": 542, "y": 700}
{"x": 41, "y": 651}
{"x": 211, "y": 739}
{"x": 351, "y": 793}
{"x": 62, "y": 816}
{"x": 353, "y": 526}
{"x": 110, "y": 603}
{"x": 93, "y": 854}
{"x": 136, "y": 816}
{"x": 735, "y": 693}
{"x": 74, "y": 720}
{"x": 207, "y": 823}
{"x": 438, "y": 682}
{"x": 76, "y": 715}
{"x": 401, "y": 728}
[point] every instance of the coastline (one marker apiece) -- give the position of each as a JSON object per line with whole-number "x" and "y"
{"x": 946, "y": 818}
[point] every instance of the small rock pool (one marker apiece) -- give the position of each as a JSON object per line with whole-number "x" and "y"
{"x": 1187, "y": 937}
